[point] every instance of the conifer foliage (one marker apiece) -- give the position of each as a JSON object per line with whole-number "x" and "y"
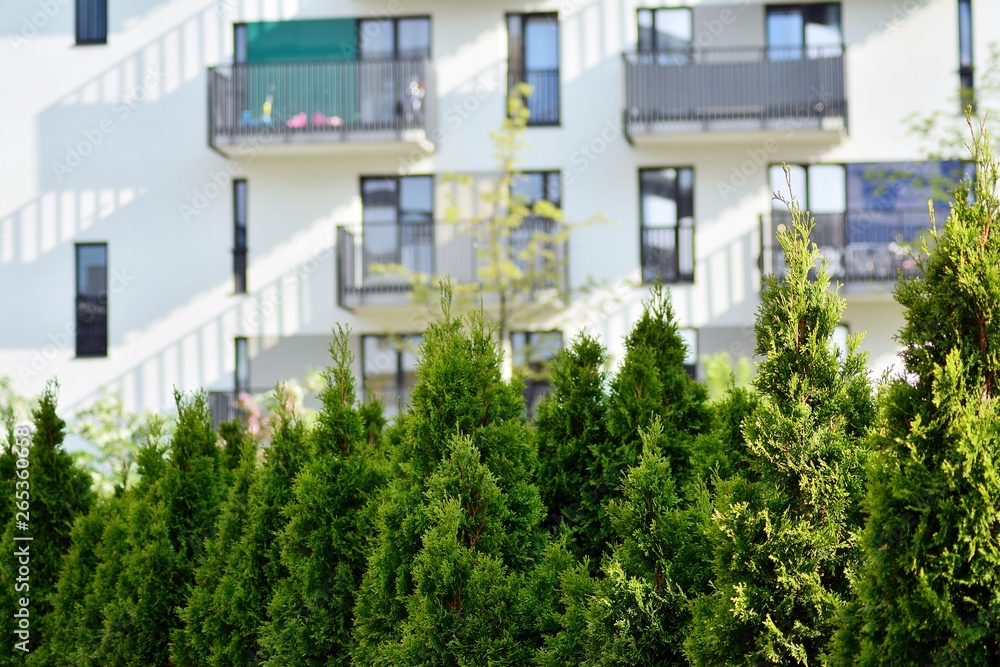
{"x": 52, "y": 493}
{"x": 458, "y": 526}
{"x": 930, "y": 590}
{"x": 323, "y": 546}
{"x": 784, "y": 530}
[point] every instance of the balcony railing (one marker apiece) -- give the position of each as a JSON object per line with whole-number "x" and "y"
{"x": 224, "y": 406}
{"x": 255, "y": 104}
{"x": 377, "y": 263}
{"x": 543, "y": 103}
{"x": 733, "y": 89}
{"x": 668, "y": 254}
{"x": 862, "y": 246}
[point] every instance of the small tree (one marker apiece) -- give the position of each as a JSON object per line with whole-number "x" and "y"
{"x": 784, "y": 530}
{"x": 166, "y": 530}
{"x": 323, "y": 547}
{"x": 928, "y": 593}
{"x": 571, "y": 428}
{"x": 49, "y": 498}
{"x": 458, "y": 526}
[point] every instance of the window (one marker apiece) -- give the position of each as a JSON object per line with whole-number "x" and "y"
{"x": 240, "y": 235}
{"x": 665, "y": 30}
{"x": 667, "y": 224}
{"x": 529, "y": 188}
{"x": 690, "y": 338}
{"x": 241, "y": 375}
{"x": 397, "y": 225}
{"x": 532, "y": 354}
{"x": 533, "y": 58}
{"x": 803, "y": 31}
{"x": 92, "y": 299}
{"x": 965, "y": 61}
{"x": 389, "y": 369}
{"x": 91, "y": 21}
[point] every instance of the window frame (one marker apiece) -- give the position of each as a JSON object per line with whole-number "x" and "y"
{"x": 531, "y": 386}
{"x": 681, "y": 279}
{"x": 966, "y": 70}
{"x": 240, "y": 248}
{"x": 238, "y": 343}
{"x": 653, "y": 11}
{"x": 522, "y": 19}
{"x": 76, "y": 279}
{"x": 87, "y": 40}
{"x": 399, "y": 381}
{"x": 801, "y": 9}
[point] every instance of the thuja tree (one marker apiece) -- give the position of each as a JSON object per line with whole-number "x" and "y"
{"x": 166, "y": 532}
{"x": 637, "y": 612}
{"x": 458, "y": 526}
{"x": 930, "y": 589}
{"x": 570, "y": 428}
{"x": 784, "y": 530}
{"x": 200, "y": 635}
{"x": 94, "y": 563}
{"x": 323, "y": 547}
{"x": 73, "y": 627}
{"x": 651, "y": 383}
{"x": 49, "y": 498}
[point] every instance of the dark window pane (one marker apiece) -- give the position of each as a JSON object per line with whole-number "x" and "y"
{"x": 91, "y": 300}
{"x": 529, "y": 187}
{"x": 659, "y": 197}
{"x": 240, "y": 236}
{"x": 647, "y": 35}
{"x": 515, "y": 44}
{"x": 822, "y": 30}
{"x": 240, "y": 43}
{"x": 91, "y": 21}
{"x": 533, "y": 52}
{"x": 667, "y": 224}
{"x": 379, "y": 200}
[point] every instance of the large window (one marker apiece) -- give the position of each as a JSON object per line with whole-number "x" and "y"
{"x": 965, "y": 57}
{"x": 533, "y": 352}
{"x": 91, "y": 21}
{"x": 397, "y": 225}
{"x": 803, "y": 31}
{"x": 667, "y": 224}
{"x": 240, "y": 236}
{"x": 92, "y": 300}
{"x": 389, "y": 369}
{"x": 533, "y": 58}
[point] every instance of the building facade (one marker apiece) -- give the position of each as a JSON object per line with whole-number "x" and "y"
{"x": 197, "y": 191}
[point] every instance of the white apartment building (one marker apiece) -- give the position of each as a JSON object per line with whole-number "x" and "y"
{"x": 195, "y": 191}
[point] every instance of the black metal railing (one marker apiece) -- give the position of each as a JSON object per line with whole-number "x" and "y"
{"x": 321, "y": 101}
{"x": 226, "y": 406}
{"x": 91, "y": 325}
{"x": 861, "y": 246}
{"x": 543, "y": 103}
{"x": 667, "y": 254}
{"x": 733, "y": 88}
{"x": 378, "y": 263}
{"x": 395, "y": 400}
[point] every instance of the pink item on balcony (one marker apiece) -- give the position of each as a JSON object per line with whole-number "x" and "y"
{"x": 320, "y": 119}
{"x": 298, "y": 120}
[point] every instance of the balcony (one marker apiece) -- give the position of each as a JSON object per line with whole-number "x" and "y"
{"x": 725, "y": 93}
{"x": 377, "y": 263}
{"x": 329, "y": 106}
{"x": 867, "y": 249}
